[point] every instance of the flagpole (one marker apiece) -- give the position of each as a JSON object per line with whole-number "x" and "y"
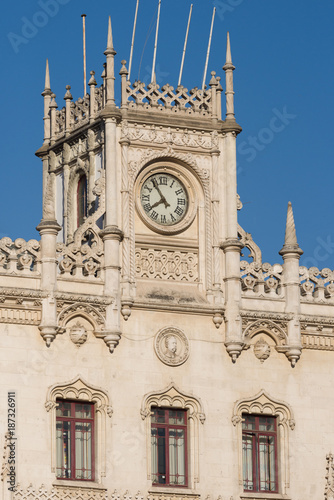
{"x": 185, "y": 46}
{"x": 208, "y": 51}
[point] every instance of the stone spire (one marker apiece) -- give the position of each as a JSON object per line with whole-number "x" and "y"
{"x": 229, "y": 68}
{"x": 110, "y": 71}
{"x": 47, "y": 86}
{"x": 290, "y": 240}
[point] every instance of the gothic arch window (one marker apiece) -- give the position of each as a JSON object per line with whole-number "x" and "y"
{"x": 94, "y": 405}
{"x": 81, "y": 200}
{"x": 262, "y": 419}
{"x": 180, "y": 413}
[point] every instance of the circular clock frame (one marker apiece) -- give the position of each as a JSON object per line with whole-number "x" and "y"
{"x": 182, "y": 176}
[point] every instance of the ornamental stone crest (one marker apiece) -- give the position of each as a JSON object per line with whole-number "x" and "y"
{"x": 261, "y": 349}
{"x": 78, "y": 334}
{"x": 171, "y": 346}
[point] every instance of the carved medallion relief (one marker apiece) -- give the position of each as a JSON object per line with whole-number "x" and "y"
{"x": 171, "y": 346}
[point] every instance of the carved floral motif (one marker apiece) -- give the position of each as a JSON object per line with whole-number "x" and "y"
{"x": 166, "y": 264}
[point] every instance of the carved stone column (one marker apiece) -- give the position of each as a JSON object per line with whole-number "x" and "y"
{"x": 233, "y": 333}
{"x": 291, "y": 254}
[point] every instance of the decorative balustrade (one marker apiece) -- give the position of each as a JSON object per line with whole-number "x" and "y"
{"x": 261, "y": 278}
{"x": 79, "y": 112}
{"x": 315, "y": 283}
{"x": 181, "y": 101}
{"x": 19, "y": 256}
{"x": 83, "y": 258}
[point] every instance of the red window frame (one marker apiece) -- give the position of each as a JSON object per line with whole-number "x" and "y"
{"x": 251, "y": 430}
{"x": 81, "y": 200}
{"x": 70, "y": 473}
{"x": 163, "y": 473}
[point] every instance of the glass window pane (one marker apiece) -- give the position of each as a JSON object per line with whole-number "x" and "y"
{"x": 176, "y": 417}
{"x": 83, "y": 450}
{"x": 158, "y": 454}
{"x": 248, "y": 422}
{"x": 177, "y": 466}
{"x": 158, "y": 416}
{"x": 83, "y": 410}
{"x": 267, "y": 424}
{"x": 63, "y": 409}
{"x": 63, "y": 449}
{"x": 267, "y": 479}
{"x": 247, "y": 461}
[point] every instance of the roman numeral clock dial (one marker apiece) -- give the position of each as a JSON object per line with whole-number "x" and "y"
{"x": 164, "y": 200}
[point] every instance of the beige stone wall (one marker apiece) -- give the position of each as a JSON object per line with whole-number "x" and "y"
{"x": 133, "y": 370}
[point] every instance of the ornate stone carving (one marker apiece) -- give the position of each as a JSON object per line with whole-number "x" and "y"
{"x": 260, "y": 278}
{"x": 83, "y": 257}
{"x": 95, "y": 493}
{"x": 329, "y": 488}
{"x": 316, "y": 284}
{"x": 166, "y": 100}
{"x": 78, "y": 334}
{"x": 248, "y": 242}
{"x": 261, "y": 349}
{"x": 171, "y": 346}
{"x": 91, "y": 313}
{"x": 59, "y": 493}
{"x": 273, "y": 329}
{"x": 19, "y": 256}
{"x": 167, "y": 264}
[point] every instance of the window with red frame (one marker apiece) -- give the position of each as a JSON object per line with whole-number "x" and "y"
{"x": 75, "y": 440}
{"x": 82, "y": 200}
{"x": 169, "y": 447}
{"x": 259, "y": 453}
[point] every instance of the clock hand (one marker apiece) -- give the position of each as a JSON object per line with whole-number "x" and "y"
{"x": 163, "y": 199}
{"x": 157, "y": 203}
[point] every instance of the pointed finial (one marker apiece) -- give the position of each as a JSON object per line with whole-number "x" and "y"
{"x": 110, "y": 46}
{"x": 290, "y": 240}
{"x": 47, "y": 76}
{"x": 290, "y": 230}
{"x": 228, "y": 64}
{"x": 92, "y": 80}
{"x": 228, "y": 49}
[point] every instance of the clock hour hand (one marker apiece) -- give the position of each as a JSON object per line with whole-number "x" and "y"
{"x": 157, "y": 203}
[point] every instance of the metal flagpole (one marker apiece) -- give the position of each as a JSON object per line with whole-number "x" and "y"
{"x": 84, "y": 50}
{"x": 185, "y": 46}
{"x": 209, "y": 45}
{"x": 133, "y": 39}
{"x": 156, "y": 42}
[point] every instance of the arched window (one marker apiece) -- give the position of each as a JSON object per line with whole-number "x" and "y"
{"x": 81, "y": 200}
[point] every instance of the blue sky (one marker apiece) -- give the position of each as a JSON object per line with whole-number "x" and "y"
{"x": 283, "y": 53}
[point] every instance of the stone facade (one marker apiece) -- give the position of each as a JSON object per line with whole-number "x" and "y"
{"x": 114, "y": 307}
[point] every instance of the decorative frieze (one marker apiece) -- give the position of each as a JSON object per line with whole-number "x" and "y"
{"x": 167, "y": 264}
{"x": 152, "y": 134}
{"x": 97, "y": 493}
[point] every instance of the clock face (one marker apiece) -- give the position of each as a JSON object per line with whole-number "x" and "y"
{"x": 164, "y": 199}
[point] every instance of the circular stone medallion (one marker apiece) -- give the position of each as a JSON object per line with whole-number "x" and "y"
{"x": 171, "y": 346}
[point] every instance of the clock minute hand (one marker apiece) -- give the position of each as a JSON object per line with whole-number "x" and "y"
{"x": 163, "y": 199}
